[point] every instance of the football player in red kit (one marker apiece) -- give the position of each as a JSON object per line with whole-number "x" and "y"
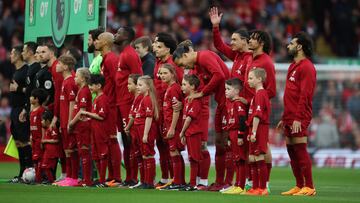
{"x": 260, "y": 43}
{"x": 298, "y": 96}
{"x": 163, "y": 46}
{"x": 236, "y": 113}
{"x": 51, "y": 143}
{"x": 145, "y": 126}
{"x": 80, "y": 125}
{"x": 212, "y": 72}
{"x": 172, "y": 125}
{"x": 37, "y": 98}
{"x": 108, "y": 69}
{"x": 67, "y": 101}
{"x": 258, "y": 122}
{"x": 100, "y": 127}
{"x": 191, "y": 131}
{"x": 129, "y": 63}
{"x": 136, "y": 160}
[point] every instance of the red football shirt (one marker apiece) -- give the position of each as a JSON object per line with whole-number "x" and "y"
{"x": 35, "y": 123}
{"x": 108, "y": 70}
{"x": 51, "y": 150}
{"x": 234, "y": 109}
{"x": 299, "y": 92}
{"x": 172, "y": 94}
{"x": 82, "y": 100}
{"x": 135, "y": 105}
{"x": 145, "y": 110}
{"x": 193, "y": 110}
{"x": 129, "y": 63}
{"x": 101, "y": 128}
{"x": 160, "y": 86}
{"x": 264, "y": 61}
{"x": 68, "y": 93}
{"x": 58, "y": 80}
{"x": 260, "y": 107}
{"x": 211, "y": 70}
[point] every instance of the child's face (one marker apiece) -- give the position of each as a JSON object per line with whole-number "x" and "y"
{"x": 60, "y": 67}
{"x": 141, "y": 87}
{"x": 166, "y": 75}
{"x": 186, "y": 87}
{"x": 45, "y": 123}
{"x": 78, "y": 78}
{"x": 94, "y": 88}
{"x": 131, "y": 85}
{"x": 252, "y": 80}
{"x": 33, "y": 100}
{"x": 231, "y": 92}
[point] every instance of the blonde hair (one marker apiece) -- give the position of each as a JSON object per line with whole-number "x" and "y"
{"x": 259, "y": 73}
{"x": 170, "y": 68}
{"x": 152, "y": 93}
{"x": 85, "y": 73}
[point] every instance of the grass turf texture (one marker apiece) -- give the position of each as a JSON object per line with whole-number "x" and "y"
{"x": 332, "y": 185}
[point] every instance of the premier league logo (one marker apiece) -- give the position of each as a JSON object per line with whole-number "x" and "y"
{"x": 60, "y": 16}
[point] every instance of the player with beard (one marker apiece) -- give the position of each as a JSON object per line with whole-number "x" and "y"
{"x": 96, "y": 62}
{"x": 298, "y": 96}
{"x": 20, "y": 130}
{"x": 260, "y": 43}
{"x": 108, "y": 67}
{"x": 129, "y": 63}
{"x": 163, "y": 46}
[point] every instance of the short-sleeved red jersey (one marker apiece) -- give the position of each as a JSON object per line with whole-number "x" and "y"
{"x": 145, "y": 109}
{"x": 129, "y": 63}
{"x": 234, "y": 109}
{"x": 173, "y": 93}
{"x": 108, "y": 70}
{"x": 51, "y": 150}
{"x": 260, "y": 107}
{"x": 193, "y": 110}
{"x": 135, "y": 105}
{"x": 68, "y": 94}
{"x": 100, "y": 128}
{"x": 35, "y": 123}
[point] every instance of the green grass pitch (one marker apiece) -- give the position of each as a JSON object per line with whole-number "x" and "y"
{"x": 333, "y": 185}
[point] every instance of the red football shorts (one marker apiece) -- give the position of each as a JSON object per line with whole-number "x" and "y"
{"x": 260, "y": 145}
{"x": 303, "y": 133}
{"x": 193, "y": 144}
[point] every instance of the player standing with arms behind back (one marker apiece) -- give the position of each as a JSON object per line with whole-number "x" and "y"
{"x": 298, "y": 96}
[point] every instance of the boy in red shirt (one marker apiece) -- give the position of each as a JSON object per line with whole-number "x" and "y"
{"x": 191, "y": 131}
{"x": 100, "y": 130}
{"x": 298, "y": 96}
{"x": 67, "y": 101}
{"x": 235, "y": 116}
{"x": 258, "y": 122}
{"x": 136, "y": 161}
{"x": 37, "y": 98}
{"x": 80, "y": 125}
{"x": 51, "y": 143}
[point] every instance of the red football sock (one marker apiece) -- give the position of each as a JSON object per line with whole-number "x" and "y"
{"x": 294, "y": 166}
{"x": 182, "y": 166}
{"x": 86, "y": 166}
{"x": 204, "y": 165}
{"x": 262, "y": 173}
{"x": 220, "y": 164}
{"x": 248, "y": 171}
{"x": 115, "y": 154}
{"x": 176, "y": 162}
{"x": 304, "y": 163}
{"x": 102, "y": 169}
{"x": 194, "y": 167}
{"x": 110, "y": 169}
{"x": 38, "y": 171}
{"x": 127, "y": 162}
{"x": 240, "y": 173}
{"x": 269, "y": 167}
{"x": 141, "y": 167}
{"x": 133, "y": 167}
{"x": 254, "y": 175}
{"x": 230, "y": 168}
{"x": 49, "y": 175}
{"x": 152, "y": 171}
{"x": 68, "y": 167}
{"x": 75, "y": 165}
